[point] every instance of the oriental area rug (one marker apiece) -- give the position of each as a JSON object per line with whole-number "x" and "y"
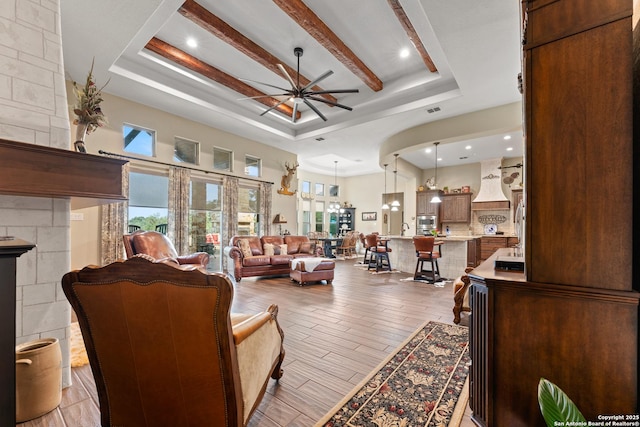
{"x": 422, "y": 383}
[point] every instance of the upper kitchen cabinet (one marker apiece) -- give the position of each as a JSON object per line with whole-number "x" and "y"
{"x": 424, "y": 205}
{"x": 456, "y": 208}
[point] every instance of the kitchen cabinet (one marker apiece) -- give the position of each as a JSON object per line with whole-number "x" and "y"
{"x": 346, "y": 217}
{"x": 456, "y": 208}
{"x": 490, "y": 244}
{"x": 424, "y": 205}
{"x": 473, "y": 252}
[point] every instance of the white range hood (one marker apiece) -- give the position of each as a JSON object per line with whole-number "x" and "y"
{"x": 490, "y": 196}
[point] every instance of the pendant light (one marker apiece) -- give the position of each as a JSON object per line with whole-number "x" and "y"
{"x": 385, "y": 206}
{"x": 395, "y": 204}
{"x": 334, "y": 206}
{"x": 436, "y": 197}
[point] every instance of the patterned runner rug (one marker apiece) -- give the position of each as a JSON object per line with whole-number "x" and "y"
{"x": 422, "y": 383}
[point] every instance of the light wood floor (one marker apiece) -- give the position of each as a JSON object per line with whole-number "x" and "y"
{"x": 334, "y": 336}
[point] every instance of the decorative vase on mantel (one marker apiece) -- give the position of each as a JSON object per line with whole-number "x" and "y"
{"x": 81, "y": 133}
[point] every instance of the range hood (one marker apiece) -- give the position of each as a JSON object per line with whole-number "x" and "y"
{"x": 490, "y": 196}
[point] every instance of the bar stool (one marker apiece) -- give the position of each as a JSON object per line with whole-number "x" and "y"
{"x": 425, "y": 252}
{"x": 379, "y": 254}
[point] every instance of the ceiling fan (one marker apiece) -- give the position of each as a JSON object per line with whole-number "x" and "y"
{"x": 302, "y": 94}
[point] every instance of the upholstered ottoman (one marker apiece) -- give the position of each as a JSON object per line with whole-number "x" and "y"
{"x": 304, "y": 270}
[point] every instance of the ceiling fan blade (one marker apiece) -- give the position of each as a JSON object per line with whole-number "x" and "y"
{"x": 335, "y": 104}
{"x": 261, "y": 83}
{"x": 322, "y": 92}
{"x": 316, "y": 81}
{"x": 284, "y": 72}
{"x": 274, "y": 107}
{"x": 313, "y": 107}
{"x": 265, "y": 96}
{"x": 295, "y": 111}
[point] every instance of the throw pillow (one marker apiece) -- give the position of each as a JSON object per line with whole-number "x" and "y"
{"x": 305, "y": 248}
{"x": 243, "y": 244}
{"x": 268, "y": 249}
{"x": 283, "y": 249}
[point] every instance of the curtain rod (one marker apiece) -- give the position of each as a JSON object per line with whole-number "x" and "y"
{"x": 106, "y": 153}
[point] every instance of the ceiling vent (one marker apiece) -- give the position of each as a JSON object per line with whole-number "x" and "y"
{"x": 433, "y": 110}
{"x": 320, "y": 139}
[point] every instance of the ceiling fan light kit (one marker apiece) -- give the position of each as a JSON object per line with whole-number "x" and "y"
{"x": 299, "y": 95}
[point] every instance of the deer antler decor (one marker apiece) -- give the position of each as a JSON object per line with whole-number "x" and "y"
{"x": 285, "y": 182}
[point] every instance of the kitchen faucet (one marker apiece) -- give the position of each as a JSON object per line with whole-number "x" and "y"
{"x": 404, "y": 229}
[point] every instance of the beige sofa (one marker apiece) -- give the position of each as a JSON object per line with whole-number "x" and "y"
{"x": 250, "y": 256}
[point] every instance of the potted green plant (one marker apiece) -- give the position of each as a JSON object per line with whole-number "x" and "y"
{"x": 555, "y": 405}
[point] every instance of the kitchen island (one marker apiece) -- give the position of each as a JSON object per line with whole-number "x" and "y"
{"x": 452, "y": 263}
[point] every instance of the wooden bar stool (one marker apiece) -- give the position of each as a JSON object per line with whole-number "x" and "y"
{"x": 379, "y": 254}
{"x": 425, "y": 252}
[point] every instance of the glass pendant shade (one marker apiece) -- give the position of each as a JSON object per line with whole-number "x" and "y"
{"x": 395, "y": 204}
{"x": 436, "y": 198}
{"x": 334, "y": 206}
{"x": 385, "y": 206}
{"x": 394, "y": 209}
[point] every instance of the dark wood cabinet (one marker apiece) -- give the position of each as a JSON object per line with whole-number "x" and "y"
{"x": 572, "y": 317}
{"x": 424, "y": 205}
{"x": 456, "y": 208}
{"x": 473, "y": 252}
{"x": 346, "y": 217}
{"x": 490, "y": 244}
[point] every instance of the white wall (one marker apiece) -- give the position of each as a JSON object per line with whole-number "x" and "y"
{"x": 33, "y": 109}
{"x": 85, "y": 232}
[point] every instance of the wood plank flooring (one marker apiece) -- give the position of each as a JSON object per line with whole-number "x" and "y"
{"x": 334, "y": 336}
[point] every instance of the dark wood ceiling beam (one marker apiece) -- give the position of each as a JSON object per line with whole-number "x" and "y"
{"x": 413, "y": 35}
{"x": 225, "y": 32}
{"x": 182, "y": 58}
{"x": 313, "y": 25}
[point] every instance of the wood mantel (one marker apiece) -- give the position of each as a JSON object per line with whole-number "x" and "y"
{"x": 38, "y": 171}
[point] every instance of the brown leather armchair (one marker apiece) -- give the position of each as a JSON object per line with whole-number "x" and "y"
{"x": 165, "y": 349}
{"x": 159, "y": 247}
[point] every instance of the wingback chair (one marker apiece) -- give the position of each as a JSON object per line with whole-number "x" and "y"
{"x": 165, "y": 349}
{"x": 159, "y": 247}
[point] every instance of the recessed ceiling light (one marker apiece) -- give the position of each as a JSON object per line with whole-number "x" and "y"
{"x": 509, "y": 148}
{"x": 404, "y": 53}
{"x": 507, "y": 137}
{"x": 468, "y": 147}
{"x": 191, "y": 42}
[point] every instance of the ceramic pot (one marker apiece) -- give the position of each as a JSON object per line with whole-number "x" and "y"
{"x": 38, "y": 378}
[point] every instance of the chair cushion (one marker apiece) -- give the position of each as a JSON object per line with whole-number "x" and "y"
{"x": 280, "y": 259}
{"x": 306, "y": 248}
{"x": 155, "y": 245}
{"x": 256, "y": 260}
{"x": 268, "y": 249}
{"x": 245, "y": 248}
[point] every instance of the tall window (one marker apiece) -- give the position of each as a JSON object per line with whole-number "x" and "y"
{"x": 222, "y": 159}
{"x": 205, "y": 220}
{"x": 148, "y": 201}
{"x": 319, "y": 216}
{"x": 139, "y": 140}
{"x": 306, "y": 217}
{"x": 248, "y": 209}
{"x": 252, "y": 166}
